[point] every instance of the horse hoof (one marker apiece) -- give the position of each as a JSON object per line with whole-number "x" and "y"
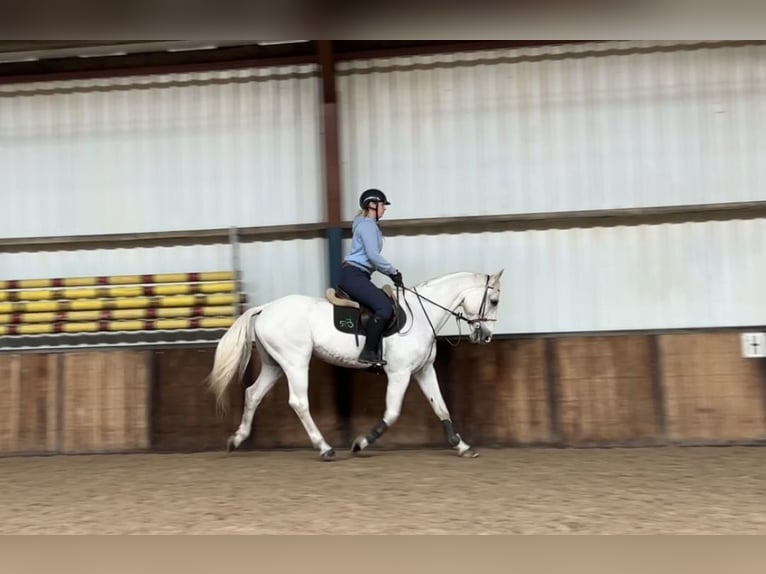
{"x": 328, "y": 455}
{"x": 470, "y": 452}
{"x": 358, "y": 445}
{"x": 230, "y": 445}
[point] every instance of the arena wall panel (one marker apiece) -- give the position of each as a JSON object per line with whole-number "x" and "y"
{"x": 29, "y": 401}
{"x": 711, "y": 392}
{"x": 578, "y": 391}
{"x": 500, "y": 392}
{"x": 105, "y": 398}
{"x": 184, "y": 413}
{"x": 605, "y": 390}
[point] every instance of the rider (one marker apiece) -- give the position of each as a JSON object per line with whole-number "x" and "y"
{"x": 359, "y": 265}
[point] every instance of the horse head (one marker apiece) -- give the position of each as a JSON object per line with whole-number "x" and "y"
{"x": 480, "y": 308}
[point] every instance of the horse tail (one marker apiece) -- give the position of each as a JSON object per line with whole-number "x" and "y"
{"x": 232, "y": 355}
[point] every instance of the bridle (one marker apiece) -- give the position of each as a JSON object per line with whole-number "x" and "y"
{"x": 480, "y": 318}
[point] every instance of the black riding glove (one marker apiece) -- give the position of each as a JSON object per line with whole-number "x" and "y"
{"x": 397, "y": 279}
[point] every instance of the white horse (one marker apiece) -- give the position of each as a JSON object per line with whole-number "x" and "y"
{"x": 290, "y": 330}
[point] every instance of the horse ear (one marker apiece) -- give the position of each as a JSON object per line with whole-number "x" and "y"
{"x": 495, "y": 279}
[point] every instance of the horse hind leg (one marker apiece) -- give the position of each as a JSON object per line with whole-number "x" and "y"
{"x": 298, "y": 384}
{"x": 289, "y": 342}
{"x": 269, "y": 375}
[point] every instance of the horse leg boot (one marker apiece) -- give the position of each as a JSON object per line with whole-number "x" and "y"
{"x": 371, "y": 353}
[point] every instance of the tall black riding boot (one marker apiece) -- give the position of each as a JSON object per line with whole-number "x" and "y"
{"x": 370, "y": 354}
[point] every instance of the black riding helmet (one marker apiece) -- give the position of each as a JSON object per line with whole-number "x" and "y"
{"x": 370, "y": 195}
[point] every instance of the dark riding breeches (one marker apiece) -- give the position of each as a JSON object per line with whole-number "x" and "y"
{"x": 358, "y": 284}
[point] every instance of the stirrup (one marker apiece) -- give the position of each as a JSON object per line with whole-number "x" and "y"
{"x": 375, "y": 360}
{"x": 373, "y": 363}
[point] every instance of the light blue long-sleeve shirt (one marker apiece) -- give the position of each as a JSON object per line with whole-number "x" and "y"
{"x": 366, "y": 245}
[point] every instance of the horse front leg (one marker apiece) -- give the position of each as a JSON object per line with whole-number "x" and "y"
{"x": 395, "y": 389}
{"x": 429, "y": 384}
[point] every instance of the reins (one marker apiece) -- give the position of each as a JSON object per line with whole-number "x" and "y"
{"x": 458, "y": 316}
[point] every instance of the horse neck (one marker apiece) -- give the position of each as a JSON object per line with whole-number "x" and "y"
{"x": 448, "y": 291}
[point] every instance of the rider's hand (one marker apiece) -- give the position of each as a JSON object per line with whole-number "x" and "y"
{"x": 397, "y": 279}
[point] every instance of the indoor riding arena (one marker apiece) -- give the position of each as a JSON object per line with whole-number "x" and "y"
{"x": 158, "y": 195}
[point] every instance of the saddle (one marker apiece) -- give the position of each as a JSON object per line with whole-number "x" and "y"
{"x": 350, "y": 316}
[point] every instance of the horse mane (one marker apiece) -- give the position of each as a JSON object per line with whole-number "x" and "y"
{"x": 439, "y": 278}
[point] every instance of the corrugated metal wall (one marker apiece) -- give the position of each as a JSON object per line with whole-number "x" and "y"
{"x": 157, "y": 153}
{"x": 592, "y": 126}
{"x": 604, "y": 125}
{"x": 173, "y": 152}
{"x": 601, "y": 279}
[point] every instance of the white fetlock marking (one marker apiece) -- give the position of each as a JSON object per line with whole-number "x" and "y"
{"x": 363, "y": 444}
{"x": 462, "y": 447}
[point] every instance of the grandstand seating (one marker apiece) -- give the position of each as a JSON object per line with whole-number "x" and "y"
{"x": 119, "y": 303}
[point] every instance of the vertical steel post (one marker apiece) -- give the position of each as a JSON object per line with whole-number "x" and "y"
{"x": 331, "y": 148}
{"x": 235, "y": 267}
{"x": 333, "y": 230}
